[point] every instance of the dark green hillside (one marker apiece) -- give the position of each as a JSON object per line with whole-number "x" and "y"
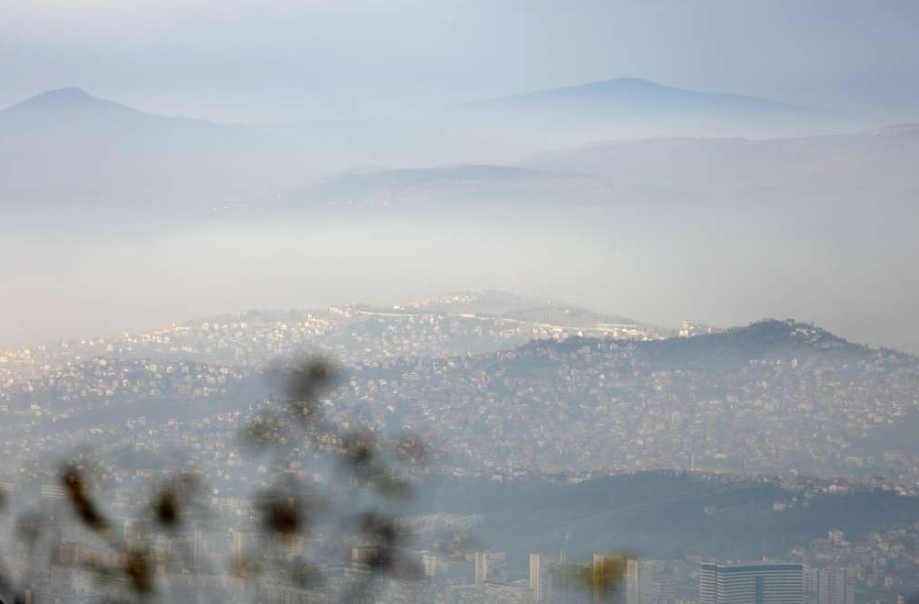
{"x": 660, "y": 514}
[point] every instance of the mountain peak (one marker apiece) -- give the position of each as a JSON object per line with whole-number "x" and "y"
{"x": 69, "y": 92}
{"x": 60, "y": 96}
{"x": 628, "y": 98}
{"x": 626, "y": 83}
{"x": 769, "y": 340}
{"x": 65, "y": 101}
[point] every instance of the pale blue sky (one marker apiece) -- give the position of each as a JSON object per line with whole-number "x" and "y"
{"x": 275, "y": 60}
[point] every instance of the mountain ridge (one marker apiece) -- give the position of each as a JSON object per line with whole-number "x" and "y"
{"x": 406, "y": 185}
{"x": 73, "y": 101}
{"x": 637, "y": 89}
{"x": 103, "y": 149}
{"x": 866, "y": 159}
{"x": 767, "y": 339}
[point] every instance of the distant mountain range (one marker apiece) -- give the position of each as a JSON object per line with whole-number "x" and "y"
{"x": 68, "y": 144}
{"x": 463, "y": 183}
{"x": 635, "y": 108}
{"x": 877, "y": 160}
{"x": 631, "y": 98}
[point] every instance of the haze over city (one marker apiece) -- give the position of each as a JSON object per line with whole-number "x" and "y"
{"x": 459, "y": 302}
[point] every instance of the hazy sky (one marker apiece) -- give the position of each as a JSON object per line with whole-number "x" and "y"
{"x": 276, "y": 60}
{"x": 841, "y": 263}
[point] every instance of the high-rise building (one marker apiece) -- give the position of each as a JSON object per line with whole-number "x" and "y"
{"x": 199, "y": 549}
{"x": 238, "y": 549}
{"x": 835, "y": 586}
{"x": 565, "y": 584}
{"x": 538, "y": 568}
{"x": 757, "y": 583}
{"x": 632, "y": 579}
{"x": 489, "y": 566}
{"x": 481, "y": 567}
{"x": 643, "y": 584}
{"x": 434, "y": 564}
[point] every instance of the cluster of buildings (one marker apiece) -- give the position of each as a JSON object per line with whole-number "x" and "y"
{"x": 583, "y": 406}
{"x": 596, "y": 407}
{"x": 210, "y": 565}
{"x": 221, "y": 550}
{"x": 489, "y": 404}
{"x": 883, "y": 562}
{"x": 438, "y": 328}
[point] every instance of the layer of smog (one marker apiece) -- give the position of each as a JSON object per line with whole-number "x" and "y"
{"x": 459, "y": 302}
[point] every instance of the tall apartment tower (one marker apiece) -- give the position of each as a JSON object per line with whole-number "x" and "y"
{"x": 238, "y": 550}
{"x": 538, "y": 577}
{"x": 489, "y": 566}
{"x": 481, "y": 567}
{"x": 199, "y": 549}
{"x": 643, "y": 582}
{"x": 764, "y": 583}
{"x": 835, "y": 586}
{"x": 633, "y": 581}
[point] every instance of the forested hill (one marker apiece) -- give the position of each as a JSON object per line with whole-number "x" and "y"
{"x": 662, "y": 514}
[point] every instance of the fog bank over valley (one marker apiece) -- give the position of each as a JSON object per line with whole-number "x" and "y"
{"x": 723, "y": 260}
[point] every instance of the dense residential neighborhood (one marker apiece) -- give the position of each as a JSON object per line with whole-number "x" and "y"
{"x": 562, "y": 393}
